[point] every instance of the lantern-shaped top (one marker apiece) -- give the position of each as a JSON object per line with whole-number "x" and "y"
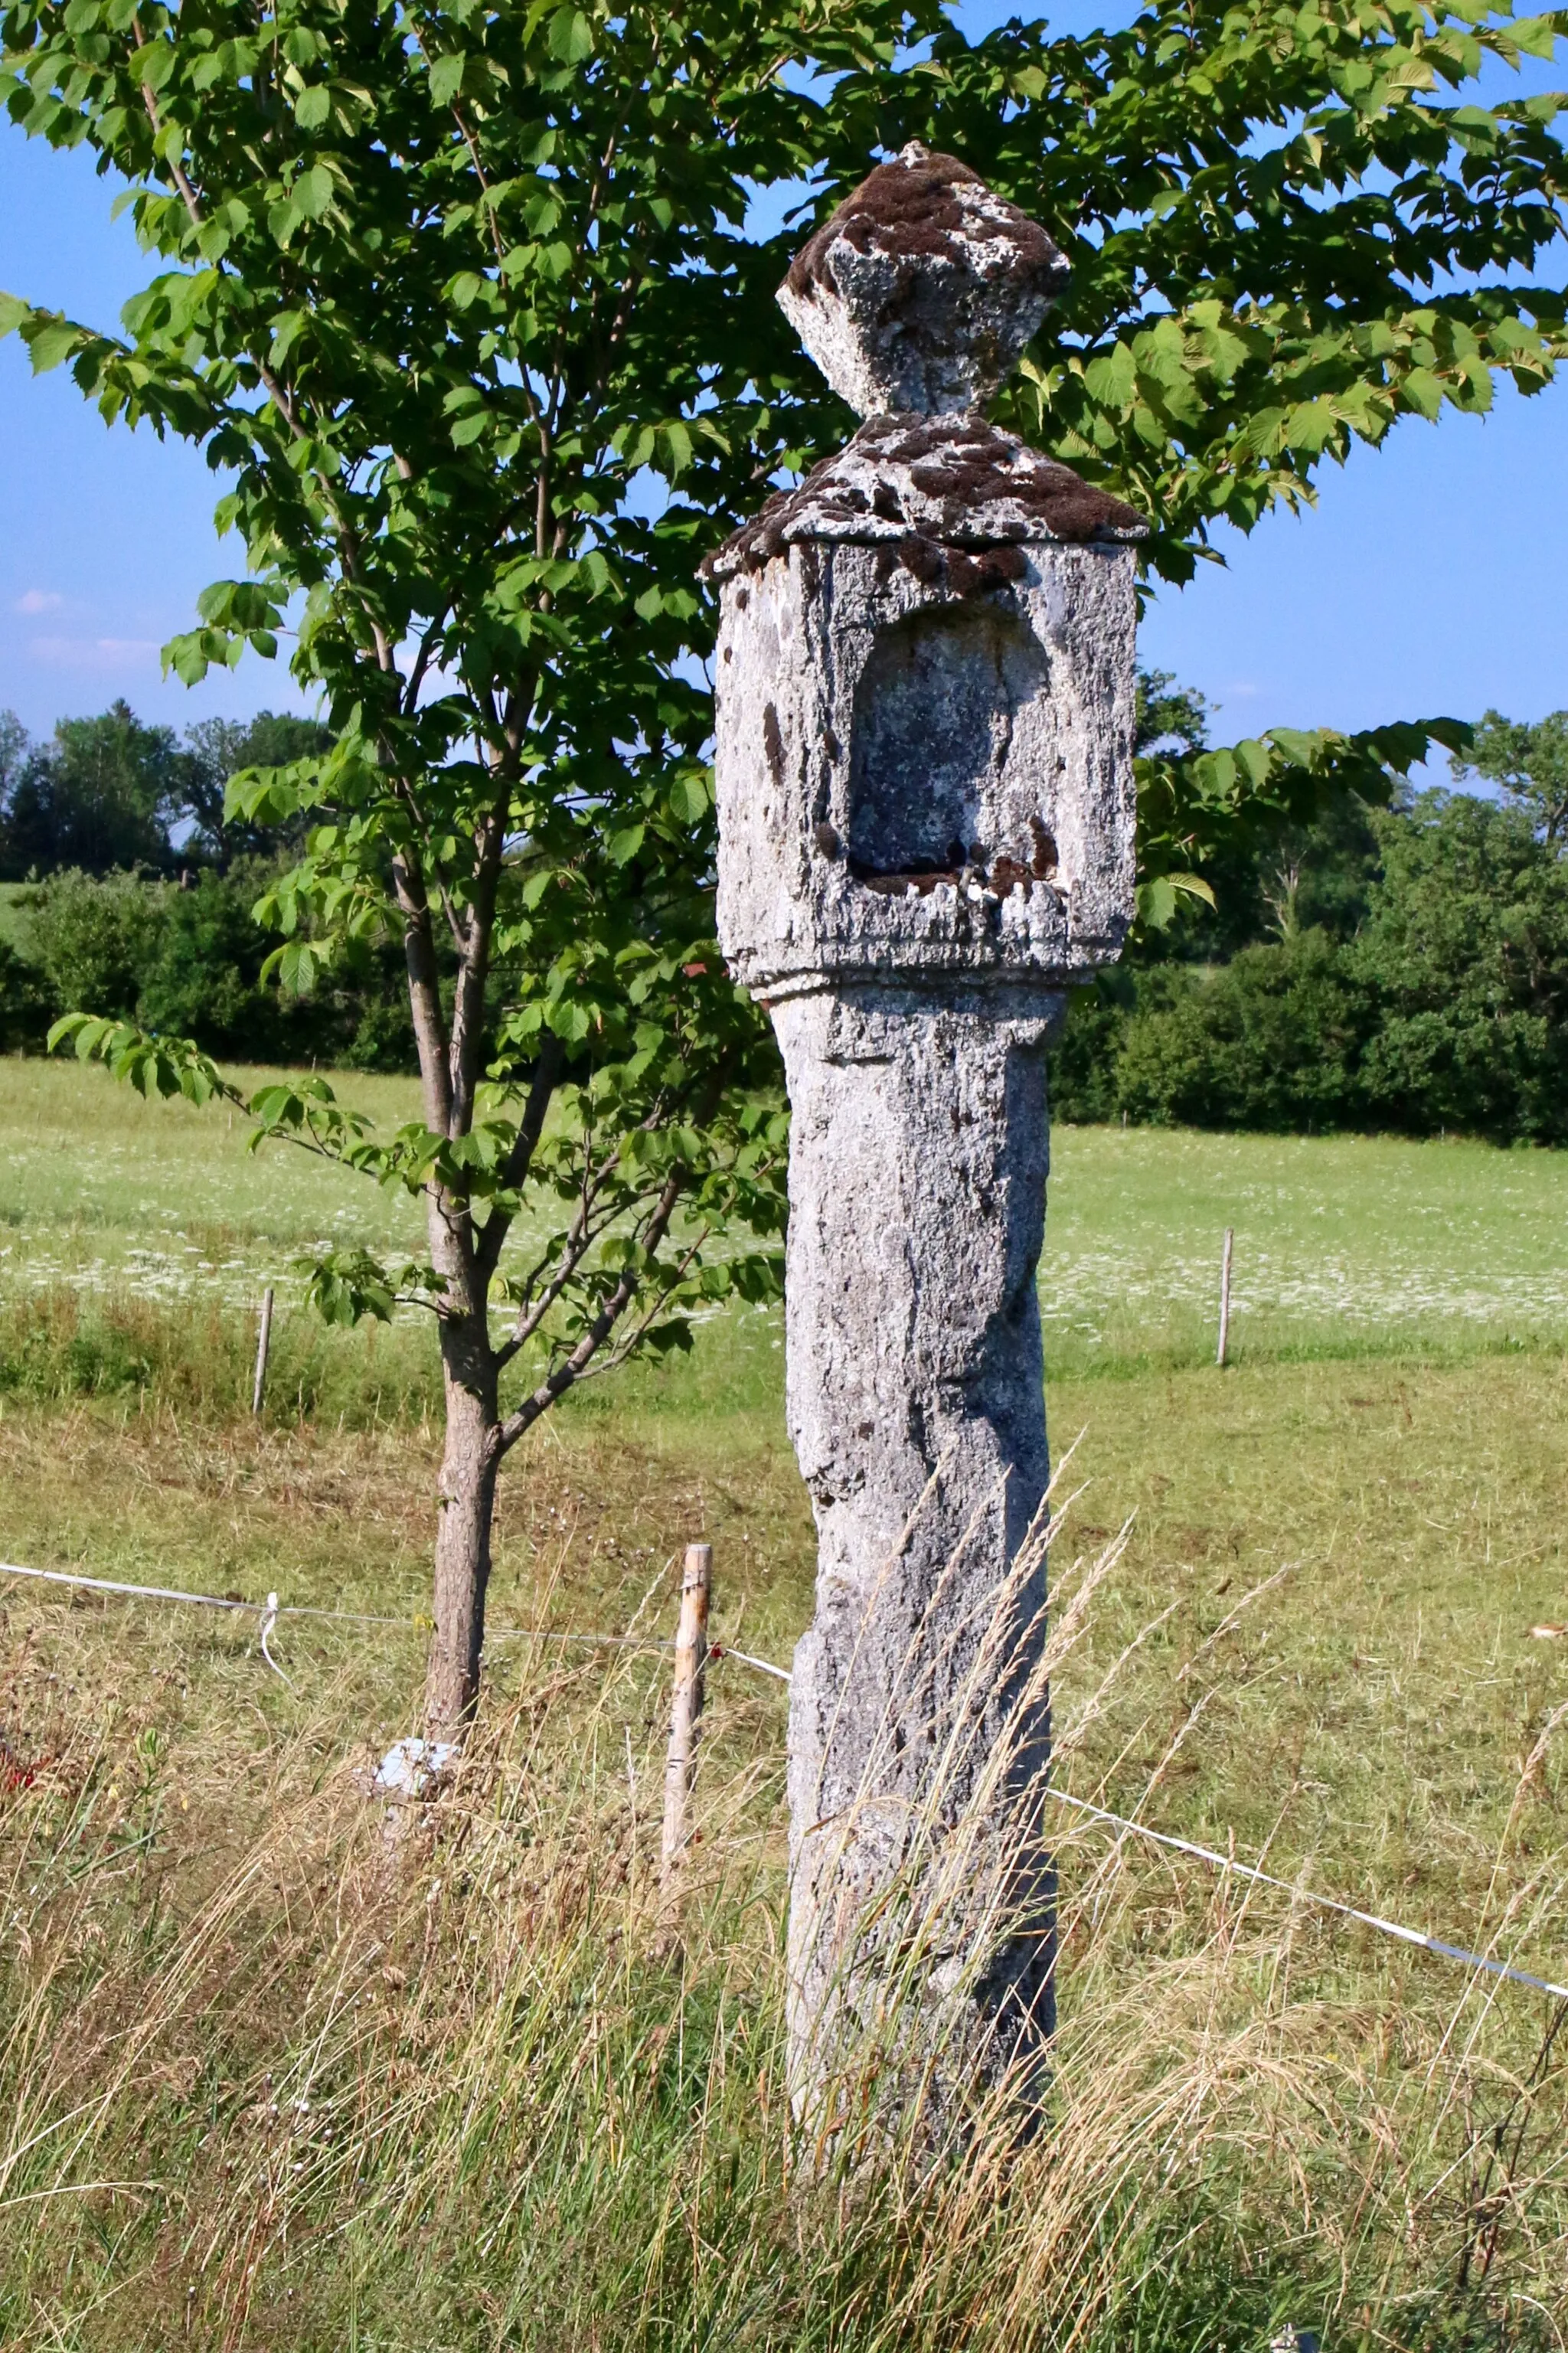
{"x": 922, "y": 289}
{"x": 925, "y": 682}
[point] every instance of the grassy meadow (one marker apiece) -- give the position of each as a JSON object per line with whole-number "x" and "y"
{"x": 269, "y": 2082}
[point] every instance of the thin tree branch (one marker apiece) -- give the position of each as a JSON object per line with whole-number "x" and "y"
{"x": 567, "y": 1374}
{"x": 176, "y": 169}
{"x": 629, "y": 1341}
{"x": 424, "y": 993}
{"x": 547, "y": 1073}
{"x": 422, "y": 661}
{"x": 574, "y": 1250}
{"x": 473, "y": 970}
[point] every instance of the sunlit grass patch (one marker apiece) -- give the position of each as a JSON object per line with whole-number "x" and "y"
{"x": 272, "y": 2082}
{"x": 529, "y": 2119}
{"x": 1345, "y": 1246}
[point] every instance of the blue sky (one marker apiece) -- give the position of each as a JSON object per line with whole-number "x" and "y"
{"x": 1429, "y": 579}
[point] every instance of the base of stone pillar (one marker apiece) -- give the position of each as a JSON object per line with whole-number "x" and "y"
{"x": 922, "y": 1928}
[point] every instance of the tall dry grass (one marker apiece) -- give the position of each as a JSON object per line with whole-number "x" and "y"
{"x": 270, "y": 2079}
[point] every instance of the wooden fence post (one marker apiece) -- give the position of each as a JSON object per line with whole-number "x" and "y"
{"x": 686, "y": 1707}
{"x": 263, "y": 1344}
{"x": 1224, "y": 1297}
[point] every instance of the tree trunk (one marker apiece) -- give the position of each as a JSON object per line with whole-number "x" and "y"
{"x": 463, "y": 1534}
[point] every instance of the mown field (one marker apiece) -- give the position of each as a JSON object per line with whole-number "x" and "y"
{"x": 533, "y": 2117}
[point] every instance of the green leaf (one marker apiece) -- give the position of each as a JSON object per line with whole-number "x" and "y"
{"x": 570, "y": 36}
{"x": 446, "y": 79}
{"x": 1111, "y": 377}
{"x": 313, "y": 191}
{"x": 297, "y": 967}
{"x": 52, "y": 343}
{"x": 1156, "y": 903}
{"x": 691, "y": 795}
{"x": 1424, "y": 391}
{"x": 313, "y": 107}
{"x": 154, "y": 62}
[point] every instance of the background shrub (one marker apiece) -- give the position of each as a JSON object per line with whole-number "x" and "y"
{"x": 95, "y": 938}
{"x": 1428, "y": 992}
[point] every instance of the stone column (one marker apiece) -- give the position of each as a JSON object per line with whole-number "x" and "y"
{"x": 925, "y": 699}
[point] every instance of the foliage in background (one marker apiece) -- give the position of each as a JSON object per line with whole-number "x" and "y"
{"x": 1206, "y": 818}
{"x": 1448, "y": 1016}
{"x": 1465, "y": 952}
{"x": 26, "y": 1010}
{"x": 1531, "y": 764}
{"x": 112, "y": 793}
{"x": 105, "y": 927}
{"x": 189, "y": 960}
{"x": 1416, "y": 982}
{"x": 95, "y": 938}
{"x": 217, "y": 750}
{"x": 104, "y": 793}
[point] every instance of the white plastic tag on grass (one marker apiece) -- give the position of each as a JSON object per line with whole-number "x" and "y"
{"x": 409, "y": 1766}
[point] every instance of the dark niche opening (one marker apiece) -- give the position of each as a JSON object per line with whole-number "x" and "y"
{"x": 933, "y": 722}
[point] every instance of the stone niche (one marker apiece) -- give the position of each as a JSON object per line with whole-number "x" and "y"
{"x": 914, "y": 764}
{"x": 948, "y": 694}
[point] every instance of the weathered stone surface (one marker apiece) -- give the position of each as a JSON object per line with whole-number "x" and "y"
{"x": 922, "y": 289}
{"x": 926, "y": 768}
{"x": 918, "y": 1160}
{"x": 950, "y": 482}
{"x": 924, "y": 724}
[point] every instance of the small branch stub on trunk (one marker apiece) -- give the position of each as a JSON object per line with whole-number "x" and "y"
{"x": 686, "y": 1707}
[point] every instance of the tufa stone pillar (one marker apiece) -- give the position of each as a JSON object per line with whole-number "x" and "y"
{"x": 924, "y": 727}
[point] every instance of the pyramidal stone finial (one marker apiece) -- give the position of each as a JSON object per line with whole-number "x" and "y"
{"x": 921, "y": 291}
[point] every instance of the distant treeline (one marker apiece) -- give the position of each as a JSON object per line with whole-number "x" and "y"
{"x": 131, "y": 895}
{"x": 1400, "y": 969}
{"x": 110, "y": 794}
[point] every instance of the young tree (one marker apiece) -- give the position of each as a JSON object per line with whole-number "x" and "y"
{"x": 463, "y": 302}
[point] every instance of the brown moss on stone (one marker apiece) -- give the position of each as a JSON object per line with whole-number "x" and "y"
{"x": 911, "y": 209}
{"x": 986, "y": 487}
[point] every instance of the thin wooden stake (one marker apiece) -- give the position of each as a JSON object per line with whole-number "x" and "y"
{"x": 686, "y": 1707}
{"x": 1224, "y": 1297}
{"x": 263, "y": 1343}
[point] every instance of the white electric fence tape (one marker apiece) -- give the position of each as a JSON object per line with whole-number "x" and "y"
{"x": 270, "y": 1610}
{"x": 763, "y": 1666}
{"x": 1308, "y": 1895}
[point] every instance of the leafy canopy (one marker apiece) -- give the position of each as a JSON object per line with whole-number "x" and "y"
{"x": 1530, "y": 763}
{"x": 101, "y": 794}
